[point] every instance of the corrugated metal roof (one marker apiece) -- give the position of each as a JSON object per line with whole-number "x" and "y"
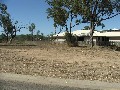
{"x": 107, "y": 34}
{"x": 96, "y": 33}
{"x": 60, "y": 34}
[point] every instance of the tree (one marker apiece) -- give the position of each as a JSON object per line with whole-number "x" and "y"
{"x": 3, "y": 17}
{"x": 38, "y": 32}
{"x": 91, "y": 11}
{"x": 10, "y": 27}
{"x": 3, "y": 12}
{"x": 56, "y": 12}
{"x": 61, "y": 11}
{"x": 31, "y": 29}
{"x": 86, "y": 28}
{"x": 55, "y": 26}
{"x": 95, "y": 11}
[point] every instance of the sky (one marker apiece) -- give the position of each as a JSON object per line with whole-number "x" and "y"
{"x": 34, "y": 11}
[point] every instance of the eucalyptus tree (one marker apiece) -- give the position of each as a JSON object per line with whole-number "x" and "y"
{"x": 62, "y": 13}
{"x": 95, "y": 11}
{"x": 9, "y": 26}
{"x": 3, "y": 16}
{"x": 90, "y": 11}
{"x": 3, "y": 12}
{"x": 57, "y": 13}
{"x": 31, "y": 29}
{"x": 38, "y": 32}
{"x": 86, "y": 28}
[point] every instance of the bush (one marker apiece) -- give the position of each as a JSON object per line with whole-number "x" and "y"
{"x": 71, "y": 40}
{"x": 0, "y": 40}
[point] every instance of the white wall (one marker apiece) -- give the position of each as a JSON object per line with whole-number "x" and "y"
{"x": 88, "y": 39}
{"x": 60, "y": 40}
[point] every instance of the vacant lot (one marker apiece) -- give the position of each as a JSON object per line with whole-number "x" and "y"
{"x": 61, "y": 61}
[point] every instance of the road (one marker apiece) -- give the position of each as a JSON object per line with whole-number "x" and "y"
{"x": 10, "y": 85}
{"x": 26, "y": 82}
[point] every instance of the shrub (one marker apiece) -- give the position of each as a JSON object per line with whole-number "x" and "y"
{"x": 71, "y": 40}
{"x": 0, "y": 40}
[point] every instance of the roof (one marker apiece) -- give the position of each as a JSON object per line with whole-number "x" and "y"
{"x": 60, "y": 34}
{"x": 81, "y": 32}
{"x": 77, "y": 32}
{"x": 107, "y": 33}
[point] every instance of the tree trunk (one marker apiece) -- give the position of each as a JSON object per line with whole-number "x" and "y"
{"x": 7, "y": 38}
{"x": 91, "y": 33}
{"x": 55, "y": 30}
{"x": 10, "y": 41}
{"x": 32, "y": 35}
{"x": 67, "y": 29}
{"x": 70, "y": 32}
{"x": 71, "y": 26}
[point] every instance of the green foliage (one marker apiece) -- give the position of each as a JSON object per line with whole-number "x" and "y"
{"x": 2, "y": 37}
{"x": 38, "y": 32}
{"x": 56, "y": 12}
{"x": 31, "y": 28}
{"x": 91, "y": 11}
{"x": 60, "y": 11}
{"x": 70, "y": 39}
{"x": 95, "y": 11}
{"x": 28, "y": 37}
{"x": 10, "y": 27}
{"x": 86, "y": 28}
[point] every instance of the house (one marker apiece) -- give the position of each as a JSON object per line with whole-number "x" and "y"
{"x": 106, "y": 36}
{"x": 59, "y": 37}
{"x": 103, "y": 37}
{"x": 79, "y": 33}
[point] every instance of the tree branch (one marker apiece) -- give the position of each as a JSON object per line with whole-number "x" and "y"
{"x": 110, "y": 17}
{"x": 60, "y": 30}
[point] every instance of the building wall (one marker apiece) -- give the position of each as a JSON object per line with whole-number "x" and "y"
{"x": 115, "y": 39}
{"x": 88, "y": 39}
{"x": 60, "y": 40}
{"x": 94, "y": 39}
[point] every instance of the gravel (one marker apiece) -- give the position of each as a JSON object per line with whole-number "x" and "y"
{"x": 13, "y": 62}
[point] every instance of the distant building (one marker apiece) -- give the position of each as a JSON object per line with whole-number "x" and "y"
{"x": 99, "y": 37}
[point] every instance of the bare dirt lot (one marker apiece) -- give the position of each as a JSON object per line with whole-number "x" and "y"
{"x": 62, "y": 62}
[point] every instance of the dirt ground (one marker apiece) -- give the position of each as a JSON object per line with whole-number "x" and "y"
{"x": 60, "y": 61}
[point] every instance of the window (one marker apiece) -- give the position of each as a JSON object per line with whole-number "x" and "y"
{"x": 80, "y": 38}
